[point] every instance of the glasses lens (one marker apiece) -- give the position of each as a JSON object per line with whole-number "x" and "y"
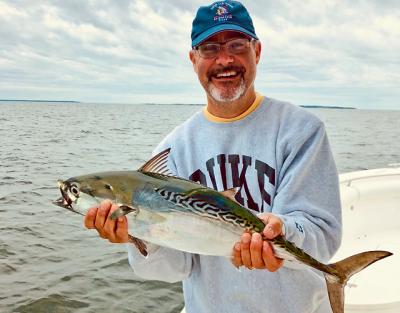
{"x": 208, "y": 50}
{"x": 237, "y": 46}
{"x": 234, "y": 46}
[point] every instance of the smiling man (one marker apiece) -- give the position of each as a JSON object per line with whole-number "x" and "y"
{"x": 278, "y": 158}
{"x": 226, "y": 66}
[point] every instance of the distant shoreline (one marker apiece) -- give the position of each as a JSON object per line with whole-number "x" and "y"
{"x": 195, "y": 104}
{"x": 19, "y": 100}
{"x": 326, "y": 107}
{"x": 303, "y": 106}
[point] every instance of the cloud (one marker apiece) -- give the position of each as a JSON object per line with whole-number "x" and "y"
{"x": 334, "y": 45}
{"x": 314, "y": 52}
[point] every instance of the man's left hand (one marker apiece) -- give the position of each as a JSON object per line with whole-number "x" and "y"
{"x": 252, "y": 252}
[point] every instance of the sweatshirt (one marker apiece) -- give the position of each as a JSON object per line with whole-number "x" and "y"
{"x": 279, "y": 158}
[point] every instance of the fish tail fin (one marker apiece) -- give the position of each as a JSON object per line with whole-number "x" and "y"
{"x": 342, "y": 271}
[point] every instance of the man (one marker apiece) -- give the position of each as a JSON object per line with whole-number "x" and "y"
{"x": 278, "y": 157}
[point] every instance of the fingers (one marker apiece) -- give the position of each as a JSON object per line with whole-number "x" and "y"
{"x": 237, "y": 256}
{"x": 271, "y": 262}
{"x": 122, "y": 230}
{"x": 252, "y": 252}
{"x": 273, "y": 225}
{"x": 110, "y": 226}
{"x": 115, "y": 231}
{"x": 245, "y": 250}
{"x": 101, "y": 216}
{"x": 90, "y": 217}
{"x": 256, "y": 246}
{"x": 273, "y": 228}
{"x": 248, "y": 252}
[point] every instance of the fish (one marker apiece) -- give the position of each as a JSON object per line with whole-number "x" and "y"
{"x": 177, "y": 213}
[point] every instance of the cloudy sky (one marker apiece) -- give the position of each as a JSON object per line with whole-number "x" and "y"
{"x": 318, "y": 52}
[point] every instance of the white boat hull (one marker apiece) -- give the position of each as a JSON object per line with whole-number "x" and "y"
{"x": 371, "y": 221}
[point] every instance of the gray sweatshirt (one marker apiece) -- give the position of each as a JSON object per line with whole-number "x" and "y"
{"x": 279, "y": 157}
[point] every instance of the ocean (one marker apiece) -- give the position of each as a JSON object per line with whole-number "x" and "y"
{"x": 48, "y": 261}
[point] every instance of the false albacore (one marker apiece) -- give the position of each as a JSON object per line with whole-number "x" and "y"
{"x": 183, "y": 215}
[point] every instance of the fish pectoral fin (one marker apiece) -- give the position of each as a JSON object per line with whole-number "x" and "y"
{"x": 139, "y": 244}
{"x": 122, "y": 211}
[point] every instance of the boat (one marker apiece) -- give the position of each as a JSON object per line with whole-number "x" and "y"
{"x": 371, "y": 221}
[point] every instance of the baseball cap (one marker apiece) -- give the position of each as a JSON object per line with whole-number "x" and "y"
{"x": 220, "y": 16}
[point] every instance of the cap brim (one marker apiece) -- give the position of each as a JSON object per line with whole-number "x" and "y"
{"x": 219, "y": 28}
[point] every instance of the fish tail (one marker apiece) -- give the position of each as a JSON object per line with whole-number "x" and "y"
{"x": 340, "y": 272}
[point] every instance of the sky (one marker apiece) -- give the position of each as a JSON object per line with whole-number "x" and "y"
{"x": 315, "y": 52}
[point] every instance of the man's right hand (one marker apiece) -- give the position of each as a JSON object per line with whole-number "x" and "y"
{"x": 115, "y": 231}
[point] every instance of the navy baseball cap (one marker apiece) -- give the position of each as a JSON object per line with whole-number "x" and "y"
{"x": 220, "y": 16}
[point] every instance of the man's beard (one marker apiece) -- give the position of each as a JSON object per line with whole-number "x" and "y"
{"x": 227, "y": 94}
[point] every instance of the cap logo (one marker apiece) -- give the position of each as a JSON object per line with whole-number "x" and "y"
{"x": 221, "y": 12}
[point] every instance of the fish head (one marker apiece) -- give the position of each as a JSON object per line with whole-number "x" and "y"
{"x": 73, "y": 198}
{"x": 80, "y": 193}
{"x": 65, "y": 201}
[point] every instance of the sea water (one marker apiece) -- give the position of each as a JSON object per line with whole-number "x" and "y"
{"x": 48, "y": 261}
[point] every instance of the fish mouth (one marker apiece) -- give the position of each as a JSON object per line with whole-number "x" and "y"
{"x": 64, "y": 201}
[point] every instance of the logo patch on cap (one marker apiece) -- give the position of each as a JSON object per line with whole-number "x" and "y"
{"x": 221, "y": 11}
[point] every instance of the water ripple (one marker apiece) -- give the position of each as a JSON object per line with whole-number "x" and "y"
{"x": 53, "y": 303}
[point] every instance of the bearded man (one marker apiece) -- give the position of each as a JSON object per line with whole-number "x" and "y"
{"x": 278, "y": 157}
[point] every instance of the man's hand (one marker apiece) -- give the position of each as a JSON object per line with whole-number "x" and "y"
{"x": 115, "y": 231}
{"x": 252, "y": 252}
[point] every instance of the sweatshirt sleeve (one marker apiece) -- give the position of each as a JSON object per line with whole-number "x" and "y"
{"x": 161, "y": 263}
{"x": 307, "y": 197}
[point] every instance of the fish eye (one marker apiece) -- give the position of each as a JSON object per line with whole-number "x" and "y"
{"x": 74, "y": 190}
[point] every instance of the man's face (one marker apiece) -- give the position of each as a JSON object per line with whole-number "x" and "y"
{"x": 227, "y": 76}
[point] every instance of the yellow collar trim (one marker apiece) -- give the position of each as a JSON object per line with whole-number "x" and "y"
{"x": 217, "y": 119}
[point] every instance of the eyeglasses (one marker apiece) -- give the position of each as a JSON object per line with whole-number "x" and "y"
{"x": 234, "y": 46}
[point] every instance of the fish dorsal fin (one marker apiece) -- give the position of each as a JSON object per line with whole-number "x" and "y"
{"x": 157, "y": 164}
{"x": 230, "y": 193}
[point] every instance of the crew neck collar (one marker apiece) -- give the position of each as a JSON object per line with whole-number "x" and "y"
{"x": 250, "y": 109}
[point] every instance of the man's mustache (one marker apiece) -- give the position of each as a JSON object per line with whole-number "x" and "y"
{"x": 215, "y": 72}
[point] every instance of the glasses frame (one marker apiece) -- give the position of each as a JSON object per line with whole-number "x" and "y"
{"x": 220, "y": 46}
